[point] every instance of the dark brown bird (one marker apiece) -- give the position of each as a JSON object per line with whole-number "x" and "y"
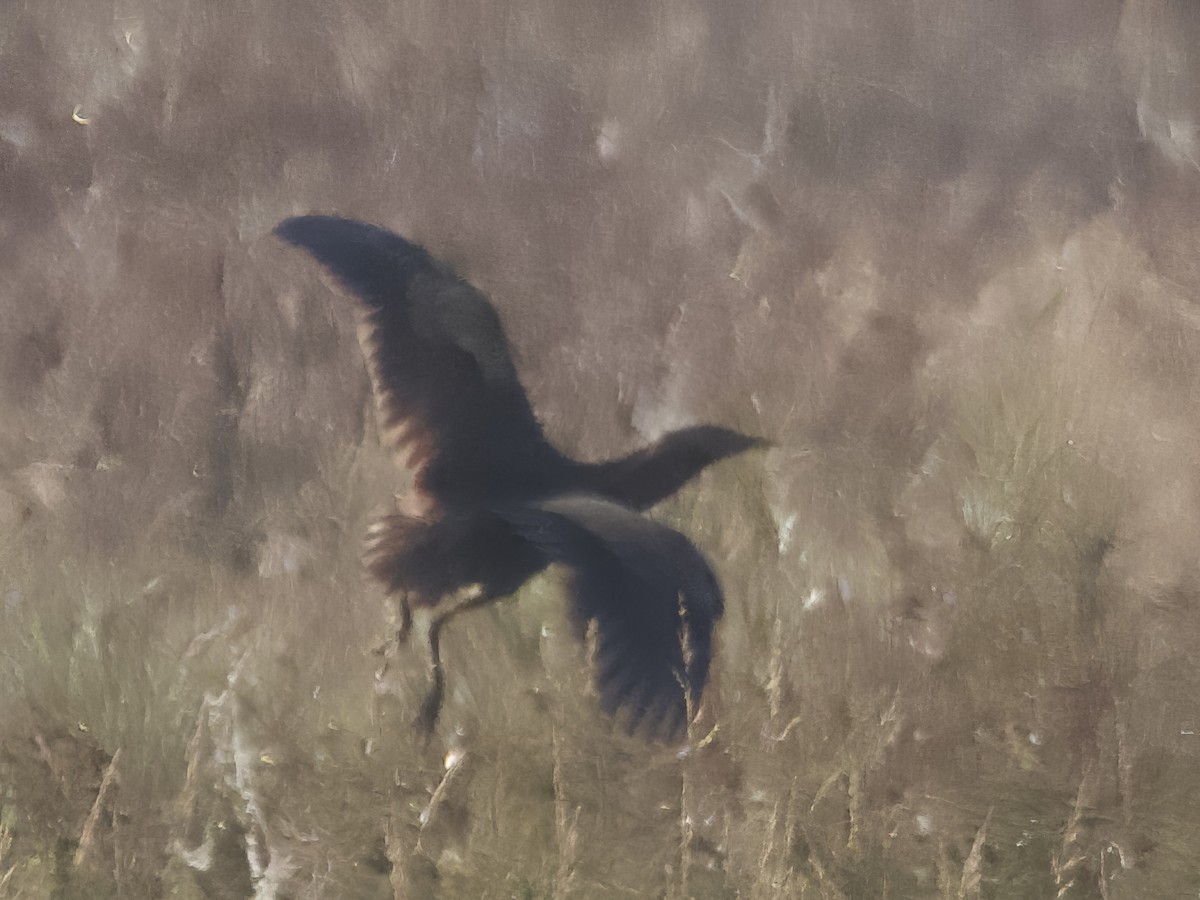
{"x": 494, "y": 503}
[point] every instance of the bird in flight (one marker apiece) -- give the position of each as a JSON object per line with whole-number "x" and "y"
{"x": 493, "y": 503}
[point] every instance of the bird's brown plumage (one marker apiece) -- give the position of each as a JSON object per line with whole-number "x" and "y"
{"x": 496, "y": 502}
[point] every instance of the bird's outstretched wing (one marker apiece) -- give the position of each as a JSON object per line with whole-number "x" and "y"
{"x": 653, "y": 598}
{"x": 448, "y": 396}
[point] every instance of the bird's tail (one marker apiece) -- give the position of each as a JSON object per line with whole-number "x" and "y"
{"x": 392, "y": 554}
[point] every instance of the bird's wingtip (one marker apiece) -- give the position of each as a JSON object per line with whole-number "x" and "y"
{"x": 369, "y": 260}
{"x": 285, "y": 228}
{"x": 333, "y": 236}
{"x": 300, "y": 231}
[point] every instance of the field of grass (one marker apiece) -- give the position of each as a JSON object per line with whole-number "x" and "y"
{"x": 1017, "y": 725}
{"x": 945, "y": 261}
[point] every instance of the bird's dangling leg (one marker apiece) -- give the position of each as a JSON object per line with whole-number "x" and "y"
{"x": 431, "y": 706}
{"x": 405, "y": 628}
{"x": 404, "y": 610}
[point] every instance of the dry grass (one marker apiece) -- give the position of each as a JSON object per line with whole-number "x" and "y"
{"x": 946, "y": 262}
{"x": 958, "y": 748}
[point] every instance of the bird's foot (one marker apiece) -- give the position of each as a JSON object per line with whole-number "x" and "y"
{"x": 391, "y": 645}
{"x": 387, "y": 648}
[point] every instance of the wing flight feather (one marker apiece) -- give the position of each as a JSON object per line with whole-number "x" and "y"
{"x": 652, "y": 596}
{"x": 447, "y": 394}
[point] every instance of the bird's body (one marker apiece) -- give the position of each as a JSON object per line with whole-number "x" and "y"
{"x": 494, "y": 502}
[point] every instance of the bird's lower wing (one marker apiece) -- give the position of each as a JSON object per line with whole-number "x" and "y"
{"x": 652, "y": 597}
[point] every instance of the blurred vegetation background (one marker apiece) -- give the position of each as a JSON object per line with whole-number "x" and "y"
{"x": 943, "y": 253}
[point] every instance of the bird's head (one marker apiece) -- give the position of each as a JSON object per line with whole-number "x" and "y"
{"x": 654, "y": 473}
{"x": 699, "y": 446}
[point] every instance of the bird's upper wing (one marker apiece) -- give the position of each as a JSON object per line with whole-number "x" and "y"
{"x": 447, "y": 394}
{"x": 652, "y": 596}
